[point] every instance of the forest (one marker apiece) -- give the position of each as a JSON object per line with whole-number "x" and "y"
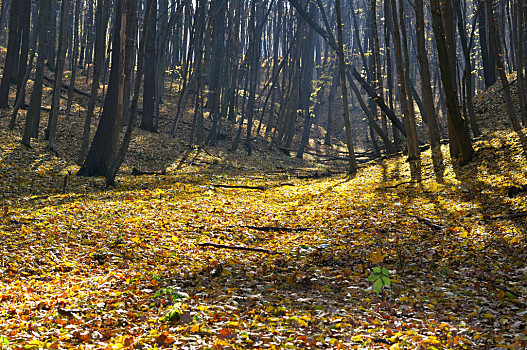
{"x": 263, "y": 174}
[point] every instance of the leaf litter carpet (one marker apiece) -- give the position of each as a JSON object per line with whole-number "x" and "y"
{"x": 86, "y": 267}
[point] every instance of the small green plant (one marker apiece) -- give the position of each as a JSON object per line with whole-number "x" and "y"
{"x": 174, "y": 312}
{"x": 174, "y": 294}
{"x": 380, "y": 278}
{"x": 380, "y": 275}
{"x": 4, "y": 342}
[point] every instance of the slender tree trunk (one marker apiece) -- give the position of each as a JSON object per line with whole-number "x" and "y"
{"x": 51, "y": 130}
{"x": 352, "y": 167}
{"x": 460, "y": 142}
{"x": 149, "y": 89}
{"x": 104, "y": 145}
{"x": 52, "y": 34}
{"x": 520, "y": 64}
{"x": 24, "y": 22}
{"x": 498, "y": 58}
{"x": 403, "y": 66}
{"x": 75, "y": 56}
{"x": 20, "y": 100}
{"x": 116, "y": 164}
{"x": 489, "y": 67}
{"x": 100, "y": 49}
{"x": 12, "y": 55}
{"x": 426, "y": 86}
{"x": 33, "y": 113}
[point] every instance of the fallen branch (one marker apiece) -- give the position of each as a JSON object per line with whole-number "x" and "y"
{"x": 520, "y": 214}
{"x": 235, "y": 247}
{"x": 405, "y": 183}
{"x": 137, "y": 172}
{"x": 260, "y": 188}
{"x": 428, "y": 222}
{"x": 66, "y": 86}
{"x": 400, "y": 183}
{"x": 514, "y": 190}
{"x": 277, "y": 228}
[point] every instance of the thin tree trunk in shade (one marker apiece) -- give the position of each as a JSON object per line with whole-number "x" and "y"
{"x": 104, "y": 145}
{"x": 33, "y": 113}
{"x": 500, "y": 65}
{"x": 460, "y": 142}
{"x": 51, "y": 130}
{"x": 100, "y": 48}
{"x": 75, "y": 56}
{"x": 149, "y": 89}
{"x": 12, "y": 55}
{"x": 352, "y": 167}
{"x": 116, "y": 164}
{"x": 24, "y": 22}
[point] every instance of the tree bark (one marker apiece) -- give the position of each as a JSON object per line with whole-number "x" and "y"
{"x": 104, "y": 145}
{"x": 59, "y": 70}
{"x": 460, "y": 142}
{"x": 12, "y": 55}
{"x": 149, "y": 88}
{"x": 32, "y": 122}
{"x": 100, "y": 49}
{"x": 123, "y": 149}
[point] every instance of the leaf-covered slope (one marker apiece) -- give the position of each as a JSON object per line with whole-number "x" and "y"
{"x": 99, "y": 268}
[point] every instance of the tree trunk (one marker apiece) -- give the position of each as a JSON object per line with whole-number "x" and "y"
{"x": 403, "y": 66}
{"x": 13, "y": 46}
{"x": 104, "y": 146}
{"x": 352, "y": 167}
{"x": 100, "y": 49}
{"x": 52, "y": 35}
{"x": 149, "y": 89}
{"x": 426, "y": 86}
{"x": 75, "y": 56}
{"x": 59, "y": 70}
{"x": 460, "y": 142}
{"x": 489, "y": 67}
{"x": 24, "y": 23}
{"x": 498, "y": 58}
{"x": 116, "y": 164}
{"x": 32, "y": 122}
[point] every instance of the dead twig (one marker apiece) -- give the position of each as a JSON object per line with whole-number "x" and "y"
{"x": 235, "y": 247}
{"x": 277, "y": 228}
{"x": 520, "y": 214}
{"x": 428, "y": 223}
{"x": 260, "y": 188}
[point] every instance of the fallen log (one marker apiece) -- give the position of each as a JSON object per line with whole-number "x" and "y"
{"x": 277, "y": 228}
{"x": 235, "y": 247}
{"x": 428, "y": 222}
{"x": 520, "y": 214}
{"x": 66, "y": 86}
{"x": 137, "y": 172}
{"x": 260, "y": 188}
{"x": 514, "y": 190}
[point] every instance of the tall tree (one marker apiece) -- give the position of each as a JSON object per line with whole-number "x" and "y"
{"x": 149, "y": 88}
{"x": 12, "y": 55}
{"x": 51, "y": 130}
{"x": 460, "y": 141}
{"x": 104, "y": 145}
{"x": 32, "y": 121}
{"x": 352, "y": 167}
{"x": 100, "y": 49}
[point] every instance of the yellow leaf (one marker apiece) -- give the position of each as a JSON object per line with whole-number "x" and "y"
{"x": 376, "y": 256}
{"x": 136, "y": 239}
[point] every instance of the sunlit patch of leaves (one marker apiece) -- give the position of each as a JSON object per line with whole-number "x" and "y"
{"x": 120, "y": 267}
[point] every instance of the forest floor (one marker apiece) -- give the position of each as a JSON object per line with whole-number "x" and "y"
{"x": 83, "y": 266}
